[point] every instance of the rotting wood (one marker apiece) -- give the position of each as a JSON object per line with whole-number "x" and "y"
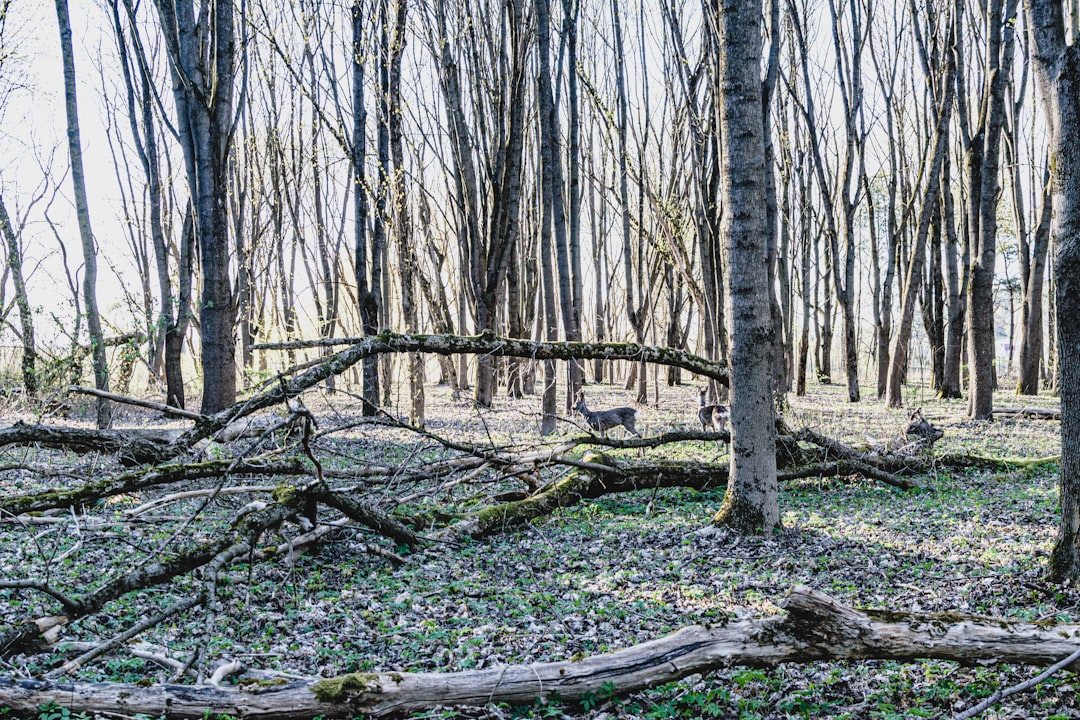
{"x": 815, "y": 627}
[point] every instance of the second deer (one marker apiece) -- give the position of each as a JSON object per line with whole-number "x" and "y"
{"x": 711, "y": 417}
{"x": 604, "y": 420}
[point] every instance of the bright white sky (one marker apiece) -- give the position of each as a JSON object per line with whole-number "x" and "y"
{"x": 33, "y": 134}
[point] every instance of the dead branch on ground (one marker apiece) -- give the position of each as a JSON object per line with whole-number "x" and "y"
{"x": 814, "y": 627}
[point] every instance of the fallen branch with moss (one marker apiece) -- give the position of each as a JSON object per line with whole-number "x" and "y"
{"x": 814, "y": 627}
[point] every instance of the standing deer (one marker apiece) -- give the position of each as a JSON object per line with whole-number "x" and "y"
{"x": 711, "y": 416}
{"x": 604, "y": 420}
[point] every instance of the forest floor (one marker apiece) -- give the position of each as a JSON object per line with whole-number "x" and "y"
{"x": 601, "y": 575}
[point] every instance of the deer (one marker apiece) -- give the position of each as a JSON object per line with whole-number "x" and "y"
{"x": 604, "y": 420}
{"x": 712, "y": 416}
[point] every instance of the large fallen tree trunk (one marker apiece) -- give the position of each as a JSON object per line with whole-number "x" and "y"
{"x": 815, "y": 627}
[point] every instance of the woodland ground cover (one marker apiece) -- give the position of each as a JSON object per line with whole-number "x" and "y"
{"x": 598, "y": 576}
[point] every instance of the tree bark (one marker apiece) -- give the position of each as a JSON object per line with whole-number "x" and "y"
{"x": 202, "y": 61}
{"x": 980, "y": 306}
{"x": 1057, "y": 72}
{"x": 814, "y": 627}
{"x": 1031, "y": 339}
{"x": 402, "y": 223}
{"x": 82, "y": 207}
{"x": 750, "y": 503}
{"x": 934, "y": 162}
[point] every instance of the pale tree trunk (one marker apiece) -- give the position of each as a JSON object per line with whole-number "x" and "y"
{"x": 202, "y": 60}
{"x": 22, "y": 301}
{"x": 750, "y": 503}
{"x": 1057, "y": 72}
{"x": 597, "y": 217}
{"x": 633, "y": 310}
{"x": 89, "y": 248}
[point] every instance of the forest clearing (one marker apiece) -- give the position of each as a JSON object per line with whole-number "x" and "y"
{"x": 599, "y": 575}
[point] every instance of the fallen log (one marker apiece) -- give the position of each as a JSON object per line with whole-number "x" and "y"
{"x": 597, "y": 475}
{"x": 815, "y": 627}
{"x": 1034, "y": 413}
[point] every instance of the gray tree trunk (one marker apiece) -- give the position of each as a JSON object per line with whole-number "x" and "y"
{"x": 1034, "y": 282}
{"x": 750, "y": 504}
{"x": 980, "y": 306}
{"x": 401, "y": 218}
{"x": 22, "y": 301}
{"x": 1057, "y": 72}
{"x": 553, "y": 225}
{"x": 202, "y": 59}
{"x": 82, "y": 208}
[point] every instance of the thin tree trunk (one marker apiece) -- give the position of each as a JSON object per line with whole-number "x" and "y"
{"x": 82, "y": 207}
{"x": 1031, "y": 341}
{"x": 899, "y": 354}
{"x": 22, "y": 301}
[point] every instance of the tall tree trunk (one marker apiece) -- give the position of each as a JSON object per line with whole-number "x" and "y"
{"x": 554, "y": 214}
{"x": 750, "y": 503}
{"x": 981, "y": 346}
{"x": 377, "y": 306}
{"x": 954, "y": 335}
{"x": 571, "y": 8}
{"x": 82, "y": 208}
{"x": 634, "y": 310}
{"x": 1057, "y": 67}
{"x": 367, "y": 295}
{"x": 899, "y": 354}
{"x": 173, "y": 315}
{"x": 202, "y": 59}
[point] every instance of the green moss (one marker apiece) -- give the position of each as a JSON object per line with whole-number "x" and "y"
{"x": 284, "y": 494}
{"x": 262, "y": 684}
{"x": 341, "y": 688}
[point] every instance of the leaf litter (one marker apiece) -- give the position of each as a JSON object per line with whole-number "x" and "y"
{"x": 598, "y": 576}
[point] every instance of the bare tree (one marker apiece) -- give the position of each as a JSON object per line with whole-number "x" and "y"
{"x": 943, "y": 90}
{"x": 11, "y": 237}
{"x": 174, "y": 305}
{"x": 842, "y": 193}
{"x": 1057, "y": 72}
{"x": 202, "y": 57}
{"x": 999, "y": 26}
{"x": 89, "y": 247}
{"x": 750, "y": 504}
